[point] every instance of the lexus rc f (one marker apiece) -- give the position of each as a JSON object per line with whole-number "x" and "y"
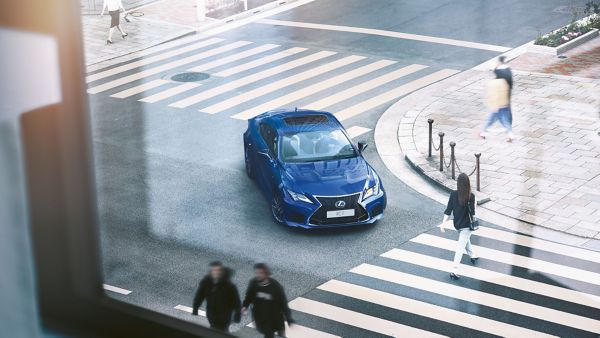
{"x": 310, "y": 170}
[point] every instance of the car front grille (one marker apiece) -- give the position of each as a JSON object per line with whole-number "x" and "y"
{"x": 328, "y": 204}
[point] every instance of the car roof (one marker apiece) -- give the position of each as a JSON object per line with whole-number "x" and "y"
{"x": 286, "y": 121}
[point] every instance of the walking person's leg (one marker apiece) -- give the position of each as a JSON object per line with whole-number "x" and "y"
{"x": 269, "y": 334}
{"x": 123, "y": 34}
{"x": 506, "y": 121}
{"x": 463, "y": 239}
{"x": 490, "y": 121}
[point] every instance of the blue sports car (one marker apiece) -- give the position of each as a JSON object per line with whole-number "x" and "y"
{"x": 311, "y": 172}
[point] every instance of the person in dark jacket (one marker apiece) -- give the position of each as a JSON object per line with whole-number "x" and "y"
{"x": 269, "y": 304}
{"x": 462, "y": 205}
{"x": 221, "y": 295}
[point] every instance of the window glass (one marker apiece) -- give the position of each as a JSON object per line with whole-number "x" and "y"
{"x": 311, "y": 146}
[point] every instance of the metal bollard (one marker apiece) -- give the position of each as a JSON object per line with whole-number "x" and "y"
{"x": 430, "y": 121}
{"x": 441, "y": 135}
{"x": 452, "y": 158}
{"x": 477, "y": 155}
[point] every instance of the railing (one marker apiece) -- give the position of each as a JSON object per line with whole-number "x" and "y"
{"x": 453, "y": 163}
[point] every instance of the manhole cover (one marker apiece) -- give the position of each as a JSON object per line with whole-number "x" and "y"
{"x": 190, "y": 77}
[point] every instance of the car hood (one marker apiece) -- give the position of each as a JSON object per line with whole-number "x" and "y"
{"x": 329, "y": 178}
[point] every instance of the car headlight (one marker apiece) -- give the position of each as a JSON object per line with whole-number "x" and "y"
{"x": 371, "y": 190}
{"x": 299, "y": 197}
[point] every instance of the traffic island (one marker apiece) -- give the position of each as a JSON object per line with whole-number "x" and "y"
{"x": 548, "y": 176}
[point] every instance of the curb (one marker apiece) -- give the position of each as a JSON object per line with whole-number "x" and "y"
{"x": 402, "y": 159}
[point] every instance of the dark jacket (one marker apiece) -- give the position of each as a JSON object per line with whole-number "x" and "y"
{"x": 461, "y": 216}
{"x": 269, "y": 306}
{"x": 222, "y": 300}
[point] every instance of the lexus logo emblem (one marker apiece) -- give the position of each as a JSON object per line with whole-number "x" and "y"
{"x": 340, "y": 204}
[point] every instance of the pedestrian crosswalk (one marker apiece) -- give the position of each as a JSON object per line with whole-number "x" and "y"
{"x": 521, "y": 287}
{"x": 248, "y": 78}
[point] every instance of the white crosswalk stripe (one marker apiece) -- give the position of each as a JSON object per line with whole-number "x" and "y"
{"x": 165, "y": 67}
{"x": 315, "y": 88}
{"x": 358, "y": 319}
{"x": 428, "y": 310}
{"x": 232, "y": 58}
{"x": 508, "y": 306}
{"x": 515, "y": 260}
{"x": 263, "y": 78}
{"x": 262, "y": 61}
{"x": 140, "y": 88}
{"x": 278, "y": 85}
{"x": 250, "y": 79}
{"x": 394, "y": 94}
{"x": 543, "y": 289}
{"x": 149, "y": 60}
{"x": 165, "y": 94}
{"x": 363, "y": 87}
{"x": 356, "y": 131}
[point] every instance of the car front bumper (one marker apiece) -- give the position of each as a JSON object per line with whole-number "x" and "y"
{"x": 303, "y": 215}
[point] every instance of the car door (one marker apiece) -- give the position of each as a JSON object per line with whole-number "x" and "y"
{"x": 267, "y": 157}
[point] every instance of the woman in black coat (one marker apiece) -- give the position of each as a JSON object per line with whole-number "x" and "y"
{"x": 269, "y": 303}
{"x": 222, "y": 297}
{"x": 461, "y": 204}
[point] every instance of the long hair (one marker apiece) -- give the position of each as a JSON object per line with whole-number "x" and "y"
{"x": 463, "y": 187}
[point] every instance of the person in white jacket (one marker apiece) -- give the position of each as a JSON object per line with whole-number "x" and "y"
{"x": 114, "y": 8}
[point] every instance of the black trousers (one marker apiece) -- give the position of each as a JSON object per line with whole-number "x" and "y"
{"x": 222, "y": 326}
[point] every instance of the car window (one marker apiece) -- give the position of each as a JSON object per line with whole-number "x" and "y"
{"x": 312, "y": 146}
{"x": 269, "y": 135}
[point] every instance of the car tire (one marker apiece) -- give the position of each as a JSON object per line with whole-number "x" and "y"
{"x": 248, "y": 161}
{"x": 277, "y": 208}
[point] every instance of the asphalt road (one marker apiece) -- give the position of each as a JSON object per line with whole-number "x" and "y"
{"x": 172, "y": 190}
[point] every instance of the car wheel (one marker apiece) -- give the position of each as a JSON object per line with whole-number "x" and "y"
{"x": 249, "y": 169}
{"x": 277, "y": 208}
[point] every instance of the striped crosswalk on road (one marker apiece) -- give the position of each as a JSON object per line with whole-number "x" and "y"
{"x": 247, "y": 78}
{"x": 406, "y": 291}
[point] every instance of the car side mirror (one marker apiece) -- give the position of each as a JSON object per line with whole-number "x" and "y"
{"x": 362, "y": 146}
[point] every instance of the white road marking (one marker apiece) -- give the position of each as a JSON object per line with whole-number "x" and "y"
{"x": 207, "y": 94}
{"x": 140, "y": 89}
{"x": 395, "y": 93}
{"x": 356, "y": 131}
{"x": 479, "y": 297}
{"x": 167, "y": 66}
{"x": 115, "y": 289}
{"x": 391, "y": 34}
{"x": 234, "y": 57}
{"x": 494, "y": 277}
{"x": 190, "y": 310}
{"x": 516, "y": 260}
{"x": 277, "y": 85}
{"x": 315, "y": 88}
{"x": 165, "y": 94}
{"x": 298, "y": 331}
{"x": 151, "y": 59}
{"x": 429, "y": 310}
{"x": 260, "y": 62}
{"x": 357, "y": 319}
{"x": 540, "y": 244}
{"x": 363, "y": 87}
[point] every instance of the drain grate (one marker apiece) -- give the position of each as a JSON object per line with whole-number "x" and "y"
{"x": 190, "y": 77}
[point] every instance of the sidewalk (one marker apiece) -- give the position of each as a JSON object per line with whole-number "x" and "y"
{"x": 550, "y": 175}
{"x": 142, "y": 34}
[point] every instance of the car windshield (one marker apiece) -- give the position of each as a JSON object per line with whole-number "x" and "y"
{"x": 313, "y": 146}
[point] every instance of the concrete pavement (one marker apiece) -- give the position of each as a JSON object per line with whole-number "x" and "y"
{"x": 548, "y": 176}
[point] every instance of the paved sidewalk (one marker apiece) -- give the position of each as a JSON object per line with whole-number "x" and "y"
{"x": 583, "y": 61}
{"x": 142, "y": 34}
{"x": 549, "y": 176}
